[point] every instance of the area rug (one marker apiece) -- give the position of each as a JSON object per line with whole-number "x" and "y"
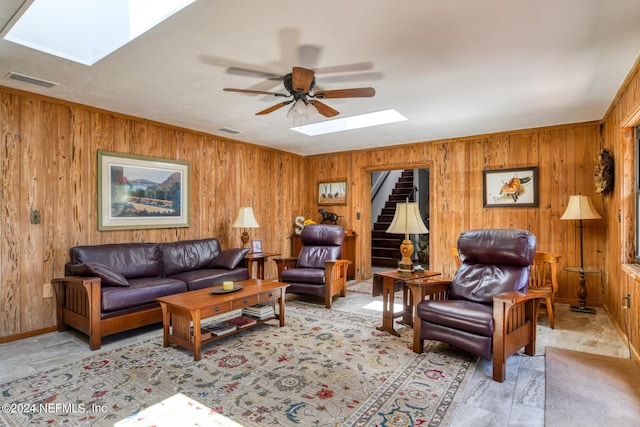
{"x": 584, "y": 389}
{"x": 324, "y": 368}
{"x": 360, "y": 286}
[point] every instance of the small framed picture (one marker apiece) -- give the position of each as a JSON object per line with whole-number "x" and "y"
{"x": 256, "y": 246}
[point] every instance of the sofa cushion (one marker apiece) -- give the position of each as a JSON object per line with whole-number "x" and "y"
{"x": 132, "y": 260}
{"x": 108, "y": 276}
{"x": 199, "y": 279}
{"x": 230, "y": 258}
{"x": 187, "y": 255}
{"x": 140, "y": 291}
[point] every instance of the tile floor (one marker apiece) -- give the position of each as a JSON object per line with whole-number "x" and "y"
{"x": 519, "y": 401}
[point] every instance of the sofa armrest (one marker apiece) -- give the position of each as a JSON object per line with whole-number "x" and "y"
{"x": 335, "y": 279}
{"x": 78, "y": 302}
{"x": 422, "y": 289}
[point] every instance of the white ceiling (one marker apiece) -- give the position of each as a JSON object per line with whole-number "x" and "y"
{"x": 453, "y": 67}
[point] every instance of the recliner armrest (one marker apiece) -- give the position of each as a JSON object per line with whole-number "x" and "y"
{"x": 282, "y": 263}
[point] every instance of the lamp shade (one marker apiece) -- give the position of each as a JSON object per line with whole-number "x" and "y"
{"x": 580, "y": 207}
{"x": 407, "y": 220}
{"x": 246, "y": 219}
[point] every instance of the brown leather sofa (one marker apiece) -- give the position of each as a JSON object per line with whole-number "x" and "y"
{"x": 113, "y": 287}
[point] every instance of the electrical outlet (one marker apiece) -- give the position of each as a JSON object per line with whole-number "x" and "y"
{"x": 47, "y": 290}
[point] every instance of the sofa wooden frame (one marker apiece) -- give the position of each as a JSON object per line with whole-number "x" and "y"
{"x": 78, "y": 302}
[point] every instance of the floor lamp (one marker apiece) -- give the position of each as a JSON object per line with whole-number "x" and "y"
{"x": 581, "y": 208}
{"x": 245, "y": 219}
{"x": 407, "y": 220}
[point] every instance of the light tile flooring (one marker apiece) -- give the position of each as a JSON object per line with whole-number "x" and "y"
{"x": 518, "y": 401}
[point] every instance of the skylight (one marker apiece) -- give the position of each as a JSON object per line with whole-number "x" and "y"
{"x": 86, "y": 31}
{"x": 349, "y": 123}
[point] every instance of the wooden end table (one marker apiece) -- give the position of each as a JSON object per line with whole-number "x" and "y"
{"x": 258, "y": 258}
{"x": 384, "y": 283}
{"x": 182, "y": 313}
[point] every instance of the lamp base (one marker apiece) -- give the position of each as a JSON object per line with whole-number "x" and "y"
{"x": 405, "y": 270}
{"x": 245, "y": 239}
{"x": 580, "y": 309}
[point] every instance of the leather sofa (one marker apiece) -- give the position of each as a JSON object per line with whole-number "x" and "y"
{"x": 112, "y": 288}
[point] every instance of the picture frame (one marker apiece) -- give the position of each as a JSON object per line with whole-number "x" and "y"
{"x": 136, "y": 192}
{"x": 517, "y": 187}
{"x": 256, "y": 246}
{"x": 332, "y": 192}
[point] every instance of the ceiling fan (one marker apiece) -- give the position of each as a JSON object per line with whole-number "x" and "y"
{"x": 300, "y": 84}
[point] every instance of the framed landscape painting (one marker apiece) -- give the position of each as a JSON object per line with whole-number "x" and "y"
{"x": 510, "y": 187}
{"x": 142, "y": 192}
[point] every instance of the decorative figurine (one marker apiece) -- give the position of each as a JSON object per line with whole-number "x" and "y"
{"x": 328, "y": 216}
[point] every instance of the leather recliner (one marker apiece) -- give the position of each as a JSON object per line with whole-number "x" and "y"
{"x": 318, "y": 269}
{"x": 485, "y": 309}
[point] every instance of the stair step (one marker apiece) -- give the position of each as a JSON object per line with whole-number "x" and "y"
{"x": 384, "y": 262}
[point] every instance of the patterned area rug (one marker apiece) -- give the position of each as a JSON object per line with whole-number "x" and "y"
{"x": 324, "y": 368}
{"x": 360, "y": 286}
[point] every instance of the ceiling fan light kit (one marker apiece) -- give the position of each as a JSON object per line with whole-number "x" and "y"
{"x": 300, "y": 84}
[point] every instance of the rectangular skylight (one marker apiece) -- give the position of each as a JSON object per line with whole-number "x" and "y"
{"x": 353, "y": 122}
{"x": 86, "y": 31}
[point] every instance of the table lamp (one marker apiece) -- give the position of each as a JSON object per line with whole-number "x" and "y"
{"x": 580, "y": 208}
{"x": 407, "y": 220}
{"x": 245, "y": 219}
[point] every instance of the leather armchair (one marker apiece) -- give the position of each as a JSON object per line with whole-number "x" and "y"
{"x": 318, "y": 269}
{"x": 485, "y": 309}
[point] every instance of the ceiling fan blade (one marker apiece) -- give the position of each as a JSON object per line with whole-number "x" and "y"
{"x": 324, "y": 109}
{"x": 273, "y": 108}
{"x": 360, "y": 66}
{"x": 246, "y": 72}
{"x": 255, "y": 92}
{"x": 362, "y": 92}
{"x": 302, "y": 79}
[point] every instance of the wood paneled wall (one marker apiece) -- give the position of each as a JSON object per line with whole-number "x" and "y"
{"x": 49, "y": 164}
{"x": 622, "y": 276}
{"x": 565, "y": 157}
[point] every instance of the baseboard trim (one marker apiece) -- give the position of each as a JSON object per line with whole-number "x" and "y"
{"x": 28, "y": 334}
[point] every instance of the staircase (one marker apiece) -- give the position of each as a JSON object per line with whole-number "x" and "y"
{"x": 385, "y": 247}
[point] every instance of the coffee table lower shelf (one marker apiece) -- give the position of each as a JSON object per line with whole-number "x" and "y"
{"x": 182, "y": 314}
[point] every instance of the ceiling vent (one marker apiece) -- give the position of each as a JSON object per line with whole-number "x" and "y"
{"x": 229, "y": 130}
{"x": 31, "y": 80}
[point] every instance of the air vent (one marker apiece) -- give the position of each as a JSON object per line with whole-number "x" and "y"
{"x": 31, "y": 80}
{"x": 229, "y": 130}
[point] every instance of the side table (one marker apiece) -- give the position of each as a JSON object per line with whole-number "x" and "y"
{"x": 384, "y": 283}
{"x": 258, "y": 258}
{"x": 582, "y": 291}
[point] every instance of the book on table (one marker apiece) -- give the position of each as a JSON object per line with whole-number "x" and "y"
{"x": 221, "y": 328}
{"x": 243, "y": 321}
{"x": 259, "y": 311}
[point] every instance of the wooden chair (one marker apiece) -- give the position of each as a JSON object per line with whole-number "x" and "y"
{"x": 543, "y": 281}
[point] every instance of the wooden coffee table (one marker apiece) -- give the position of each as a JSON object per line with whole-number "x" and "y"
{"x": 182, "y": 313}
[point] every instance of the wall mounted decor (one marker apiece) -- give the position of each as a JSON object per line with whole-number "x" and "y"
{"x": 604, "y": 175}
{"x": 510, "y": 187}
{"x": 332, "y": 192}
{"x": 142, "y": 192}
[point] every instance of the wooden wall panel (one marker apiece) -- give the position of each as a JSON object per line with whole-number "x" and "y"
{"x": 49, "y": 164}
{"x": 456, "y": 201}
